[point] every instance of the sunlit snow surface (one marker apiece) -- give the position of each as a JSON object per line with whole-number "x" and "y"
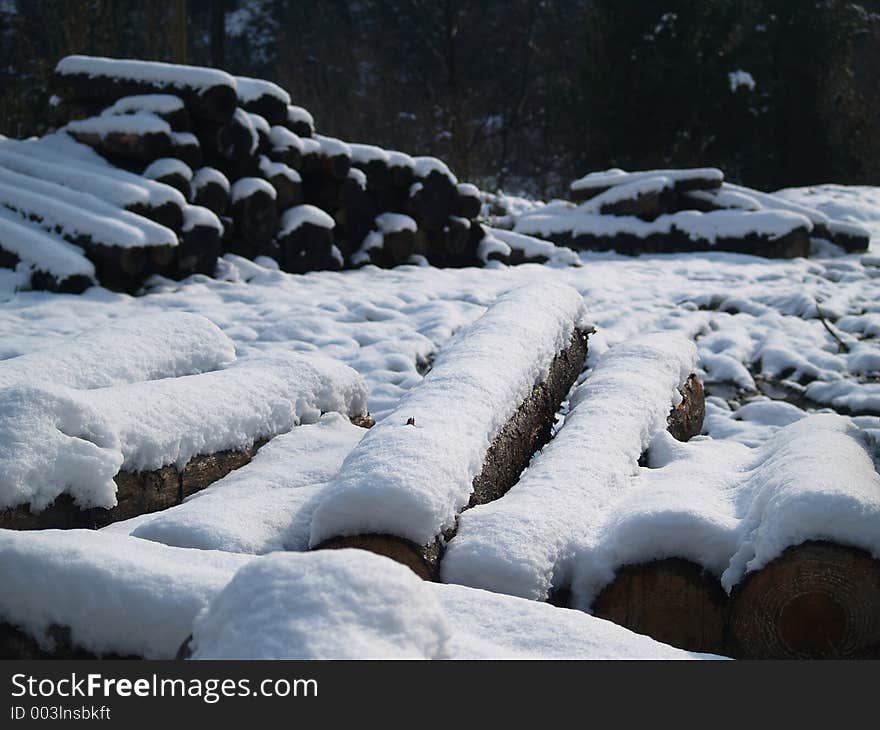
{"x": 764, "y": 350}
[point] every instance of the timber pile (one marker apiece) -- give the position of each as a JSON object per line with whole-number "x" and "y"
{"x": 665, "y": 211}
{"x": 224, "y": 164}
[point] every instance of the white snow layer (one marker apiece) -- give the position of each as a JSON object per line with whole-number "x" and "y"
{"x": 522, "y": 543}
{"x": 168, "y": 166}
{"x": 129, "y": 350}
{"x": 412, "y": 480}
{"x": 293, "y": 218}
{"x": 209, "y": 175}
{"x": 45, "y": 251}
{"x": 252, "y": 89}
{"x": 115, "y": 593}
{"x": 350, "y": 604}
{"x": 613, "y": 177}
{"x": 247, "y": 186}
{"x": 153, "y": 72}
{"x": 155, "y": 103}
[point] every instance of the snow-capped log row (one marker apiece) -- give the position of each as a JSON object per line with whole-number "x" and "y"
{"x": 663, "y": 211}
{"x": 82, "y": 594}
{"x": 788, "y": 529}
{"x": 524, "y": 543}
{"x": 45, "y": 261}
{"x": 208, "y": 93}
{"x": 463, "y": 435}
{"x": 145, "y": 432}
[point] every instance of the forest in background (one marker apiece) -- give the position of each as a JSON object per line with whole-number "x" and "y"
{"x": 523, "y": 95}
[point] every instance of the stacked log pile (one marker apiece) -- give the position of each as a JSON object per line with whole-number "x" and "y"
{"x": 238, "y": 169}
{"x": 664, "y": 211}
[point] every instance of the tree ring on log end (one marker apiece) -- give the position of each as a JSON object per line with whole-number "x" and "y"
{"x": 673, "y": 600}
{"x": 817, "y": 600}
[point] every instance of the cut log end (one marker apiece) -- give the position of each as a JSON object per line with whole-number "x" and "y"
{"x": 423, "y": 560}
{"x": 674, "y": 601}
{"x": 817, "y": 600}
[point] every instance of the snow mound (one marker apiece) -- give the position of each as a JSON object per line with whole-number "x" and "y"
{"x": 333, "y": 604}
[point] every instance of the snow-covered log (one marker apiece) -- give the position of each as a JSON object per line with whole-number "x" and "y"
{"x": 200, "y": 244}
{"x": 208, "y": 93}
{"x": 524, "y": 543}
{"x": 170, "y": 171}
{"x": 404, "y": 485}
{"x": 299, "y": 121}
{"x": 165, "y": 106}
{"x": 262, "y": 97}
{"x": 253, "y": 208}
{"x": 209, "y": 188}
{"x": 286, "y": 181}
{"x": 433, "y": 197}
{"x": 305, "y": 241}
{"x": 391, "y": 242}
{"x": 595, "y": 183}
{"x": 142, "y": 427}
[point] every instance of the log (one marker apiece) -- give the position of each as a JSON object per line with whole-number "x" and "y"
{"x": 683, "y": 181}
{"x": 308, "y": 247}
{"x": 818, "y": 600}
{"x": 686, "y": 419}
{"x": 128, "y": 149}
{"x": 210, "y": 189}
{"x": 207, "y": 93}
{"x": 432, "y": 201}
{"x": 674, "y": 601}
{"x": 506, "y": 458}
{"x": 255, "y": 215}
{"x": 138, "y": 493}
{"x": 17, "y": 644}
{"x": 197, "y": 253}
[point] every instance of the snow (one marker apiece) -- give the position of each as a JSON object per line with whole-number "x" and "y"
{"x": 124, "y": 350}
{"x": 252, "y": 89}
{"x": 259, "y": 123}
{"x": 363, "y": 154}
{"x": 846, "y": 203}
{"x": 468, "y": 190}
{"x": 741, "y": 79}
{"x": 293, "y": 218}
{"x": 248, "y": 186}
{"x": 637, "y": 188}
{"x": 166, "y": 167}
{"x": 155, "y": 103}
{"x": 610, "y": 178}
{"x": 328, "y": 605}
{"x": 522, "y": 544}
{"x": 535, "y": 247}
{"x": 115, "y": 593}
{"x": 350, "y": 604}
{"x": 196, "y": 216}
{"x": 708, "y": 227}
{"x": 116, "y": 192}
{"x": 137, "y": 124}
{"x": 726, "y": 197}
{"x": 424, "y": 166}
{"x": 282, "y": 138}
{"x": 412, "y": 481}
{"x": 298, "y": 114}
{"x": 400, "y": 159}
{"x": 278, "y": 169}
{"x": 61, "y": 148}
{"x": 394, "y": 223}
{"x": 75, "y": 214}
{"x": 359, "y": 177}
{"x": 42, "y": 250}
{"x": 207, "y": 175}
{"x": 265, "y": 505}
{"x": 152, "y": 72}
{"x": 332, "y": 147}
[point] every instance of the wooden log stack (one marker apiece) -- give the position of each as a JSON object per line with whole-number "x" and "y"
{"x": 239, "y": 148}
{"x": 666, "y": 211}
